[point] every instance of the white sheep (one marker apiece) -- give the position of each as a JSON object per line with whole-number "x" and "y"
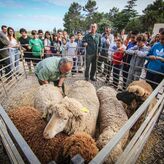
{"x": 79, "y": 112}
{"x": 46, "y": 96}
{"x": 85, "y": 93}
{"x": 111, "y": 118}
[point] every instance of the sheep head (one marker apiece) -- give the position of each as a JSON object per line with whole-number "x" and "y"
{"x": 136, "y": 93}
{"x": 67, "y": 116}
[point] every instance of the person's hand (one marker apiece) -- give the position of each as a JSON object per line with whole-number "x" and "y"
{"x": 60, "y": 89}
{"x": 85, "y": 44}
{"x": 152, "y": 57}
{"x": 160, "y": 58}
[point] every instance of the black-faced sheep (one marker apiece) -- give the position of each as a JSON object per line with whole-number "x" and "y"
{"x": 45, "y": 96}
{"x": 137, "y": 92}
{"x": 30, "y": 124}
{"x": 69, "y": 116}
{"x": 112, "y": 117}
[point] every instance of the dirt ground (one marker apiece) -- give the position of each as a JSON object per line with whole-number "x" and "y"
{"x": 19, "y": 96}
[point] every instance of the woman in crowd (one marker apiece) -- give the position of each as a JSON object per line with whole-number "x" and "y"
{"x": 13, "y": 51}
{"x": 47, "y": 44}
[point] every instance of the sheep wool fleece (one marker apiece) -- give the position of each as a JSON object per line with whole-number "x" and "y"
{"x": 85, "y": 93}
{"x": 111, "y": 118}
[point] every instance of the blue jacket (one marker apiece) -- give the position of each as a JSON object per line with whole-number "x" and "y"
{"x": 156, "y": 65}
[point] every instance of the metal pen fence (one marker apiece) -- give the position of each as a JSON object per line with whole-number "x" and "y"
{"x": 135, "y": 146}
{"x": 119, "y": 77}
{"x": 105, "y": 76}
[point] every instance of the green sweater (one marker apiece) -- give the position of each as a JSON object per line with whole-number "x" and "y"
{"x": 93, "y": 43}
{"x": 48, "y": 69}
{"x": 36, "y": 46}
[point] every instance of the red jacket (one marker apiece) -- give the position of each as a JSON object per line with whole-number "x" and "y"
{"x": 117, "y": 57}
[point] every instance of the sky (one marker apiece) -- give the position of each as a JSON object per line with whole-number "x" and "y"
{"x": 47, "y": 14}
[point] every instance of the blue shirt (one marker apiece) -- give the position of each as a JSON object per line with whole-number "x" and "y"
{"x": 156, "y": 65}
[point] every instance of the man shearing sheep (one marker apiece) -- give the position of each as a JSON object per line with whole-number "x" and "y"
{"x": 53, "y": 69}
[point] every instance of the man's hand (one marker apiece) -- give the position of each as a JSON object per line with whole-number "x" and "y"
{"x": 43, "y": 82}
{"x": 152, "y": 57}
{"x": 60, "y": 89}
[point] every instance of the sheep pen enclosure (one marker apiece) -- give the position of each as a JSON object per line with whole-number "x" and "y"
{"x": 21, "y": 93}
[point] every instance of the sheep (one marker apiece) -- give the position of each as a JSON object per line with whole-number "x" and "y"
{"x": 77, "y": 113}
{"x": 85, "y": 93}
{"x": 69, "y": 116}
{"x": 112, "y": 117}
{"x": 85, "y": 146}
{"x": 137, "y": 92}
{"x": 45, "y": 96}
{"x": 30, "y": 124}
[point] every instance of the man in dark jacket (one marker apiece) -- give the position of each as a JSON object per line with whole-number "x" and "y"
{"x": 91, "y": 41}
{"x": 4, "y": 54}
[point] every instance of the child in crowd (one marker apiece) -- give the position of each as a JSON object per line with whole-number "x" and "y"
{"x": 63, "y": 47}
{"x": 117, "y": 60}
{"x": 24, "y": 41}
{"x": 127, "y": 57}
{"x": 47, "y": 44}
{"x": 37, "y": 47}
{"x": 137, "y": 61}
{"x": 71, "y": 47}
{"x": 56, "y": 44}
{"x": 80, "y": 51}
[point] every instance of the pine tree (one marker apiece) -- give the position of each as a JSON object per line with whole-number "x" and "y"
{"x": 129, "y": 9}
{"x": 91, "y": 12}
{"x": 72, "y": 18}
{"x": 153, "y": 13}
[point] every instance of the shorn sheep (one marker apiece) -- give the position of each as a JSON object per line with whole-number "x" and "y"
{"x": 137, "y": 92}
{"x": 46, "y": 96}
{"x": 30, "y": 124}
{"x": 112, "y": 117}
{"x": 85, "y": 93}
{"x": 77, "y": 113}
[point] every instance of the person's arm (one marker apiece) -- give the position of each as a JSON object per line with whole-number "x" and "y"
{"x": 4, "y": 40}
{"x": 30, "y": 44}
{"x": 61, "y": 81}
{"x": 142, "y": 53}
{"x": 151, "y": 55}
{"x": 99, "y": 45}
{"x": 131, "y": 51}
{"x": 84, "y": 41}
{"x": 42, "y": 48}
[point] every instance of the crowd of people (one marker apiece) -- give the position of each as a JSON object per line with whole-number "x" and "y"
{"x": 109, "y": 53}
